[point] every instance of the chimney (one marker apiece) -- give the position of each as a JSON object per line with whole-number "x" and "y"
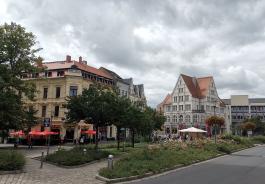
{"x": 68, "y": 59}
{"x": 80, "y": 59}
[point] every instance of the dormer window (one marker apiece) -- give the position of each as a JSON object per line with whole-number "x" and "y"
{"x": 60, "y": 73}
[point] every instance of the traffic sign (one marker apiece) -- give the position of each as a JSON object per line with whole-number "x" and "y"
{"x": 46, "y": 122}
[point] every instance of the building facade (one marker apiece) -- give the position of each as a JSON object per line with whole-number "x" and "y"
{"x": 240, "y": 108}
{"x": 59, "y": 80}
{"x": 190, "y": 103}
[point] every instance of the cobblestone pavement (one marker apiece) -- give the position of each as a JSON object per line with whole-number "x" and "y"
{"x": 51, "y": 174}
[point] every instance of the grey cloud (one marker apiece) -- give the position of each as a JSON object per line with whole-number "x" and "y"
{"x": 198, "y": 37}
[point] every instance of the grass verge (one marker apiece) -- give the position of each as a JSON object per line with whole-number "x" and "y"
{"x": 11, "y": 160}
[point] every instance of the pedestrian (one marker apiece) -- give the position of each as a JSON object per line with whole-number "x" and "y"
{"x": 29, "y": 142}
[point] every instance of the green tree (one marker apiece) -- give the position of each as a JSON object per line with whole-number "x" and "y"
{"x": 151, "y": 122}
{"x": 259, "y": 125}
{"x": 17, "y": 58}
{"x": 93, "y": 106}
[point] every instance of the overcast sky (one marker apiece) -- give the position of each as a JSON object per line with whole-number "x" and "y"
{"x": 154, "y": 41}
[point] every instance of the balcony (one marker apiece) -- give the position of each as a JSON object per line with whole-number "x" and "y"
{"x": 198, "y": 111}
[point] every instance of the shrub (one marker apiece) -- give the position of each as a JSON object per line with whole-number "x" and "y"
{"x": 11, "y": 160}
{"x": 224, "y": 148}
{"x": 258, "y": 139}
{"x": 76, "y": 156}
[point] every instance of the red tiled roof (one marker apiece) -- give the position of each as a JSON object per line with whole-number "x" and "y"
{"x": 193, "y": 86}
{"x": 166, "y": 101}
{"x": 65, "y": 65}
{"x": 204, "y": 83}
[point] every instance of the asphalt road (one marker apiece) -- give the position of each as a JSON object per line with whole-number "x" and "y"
{"x": 244, "y": 167}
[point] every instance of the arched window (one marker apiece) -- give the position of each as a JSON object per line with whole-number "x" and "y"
{"x": 180, "y": 118}
{"x": 195, "y": 119}
{"x": 187, "y": 118}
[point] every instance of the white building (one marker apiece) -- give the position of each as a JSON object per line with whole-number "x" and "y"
{"x": 240, "y": 108}
{"x": 190, "y": 103}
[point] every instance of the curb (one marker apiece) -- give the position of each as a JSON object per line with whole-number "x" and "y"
{"x": 166, "y": 170}
{"x": 70, "y": 167}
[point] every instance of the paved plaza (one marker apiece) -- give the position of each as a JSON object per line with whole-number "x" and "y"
{"x": 51, "y": 174}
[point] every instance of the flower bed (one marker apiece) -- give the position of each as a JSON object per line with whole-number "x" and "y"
{"x": 157, "y": 158}
{"x": 11, "y": 160}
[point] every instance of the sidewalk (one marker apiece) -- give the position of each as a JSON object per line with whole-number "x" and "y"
{"x": 51, "y": 174}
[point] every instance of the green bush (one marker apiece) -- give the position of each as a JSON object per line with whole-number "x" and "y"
{"x": 224, "y": 148}
{"x": 11, "y": 160}
{"x": 258, "y": 139}
{"x": 76, "y": 156}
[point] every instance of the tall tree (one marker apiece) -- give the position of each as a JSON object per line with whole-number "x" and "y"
{"x": 94, "y": 106}
{"x": 17, "y": 57}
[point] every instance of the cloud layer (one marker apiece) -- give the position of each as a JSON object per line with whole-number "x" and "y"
{"x": 154, "y": 41}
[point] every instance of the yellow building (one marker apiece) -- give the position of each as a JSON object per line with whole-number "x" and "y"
{"x": 59, "y": 80}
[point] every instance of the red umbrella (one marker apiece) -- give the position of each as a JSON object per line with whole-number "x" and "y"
{"x": 34, "y": 132}
{"x": 49, "y": 133}
{"x": 18, "y": 133}
{"x": 91, "y": 132}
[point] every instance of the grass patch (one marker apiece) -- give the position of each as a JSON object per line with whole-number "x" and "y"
{"x": 159, "y": 157}
{"x": 11, "y": 160}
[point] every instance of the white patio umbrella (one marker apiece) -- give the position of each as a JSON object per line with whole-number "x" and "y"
{"x": 193, "y": 130}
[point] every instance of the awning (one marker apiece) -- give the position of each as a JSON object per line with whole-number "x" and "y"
{"x": 192, "y": 130}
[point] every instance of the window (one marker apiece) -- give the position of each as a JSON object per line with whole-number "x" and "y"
{"x": 187, "y": 118}
{"x": 45, "y": 93}
{"x": 60, "y": 73}
{"x": 168, "y": 108}
{"x": 208, "y": 99}
{"x": 58, "y": 92}
{"x": 110, "y": 131}
{"x": 180, "y": 98}
{"x": 174, "y": 118}
{"x": 180, "y": 107}
{"x": 207, "y": 108}
{"x": 73, "y": 91}
{"x": 126, "y": 93}
{"x": 56, "y": 111}
{"x": 212, "y": 92}
{"x": 181, "y": 118}
{"x": 181, "y": 90}
{"x": 174, "y": 108}
{"x": 186, "y": 97}
{"x": 43, "y": 111}
{"x": 48, "y": 74}
{"x": 195, "y": 118}
{"x": 175, "y": 99}
{"x": 187, "y": 107}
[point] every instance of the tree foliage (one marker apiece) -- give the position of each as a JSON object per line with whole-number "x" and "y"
{"x": 215, "y": 120}
{"x": 17, "y": 57}
{"x": 248, "y": 126}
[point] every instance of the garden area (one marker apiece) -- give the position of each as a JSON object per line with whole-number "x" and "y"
{"x": 157, "y": 158}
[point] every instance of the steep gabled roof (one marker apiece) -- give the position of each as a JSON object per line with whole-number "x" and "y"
{"x": 193, "y": 86}
{"x": 204, "y": 84}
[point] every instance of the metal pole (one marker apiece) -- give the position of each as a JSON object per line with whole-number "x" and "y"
{"x": 214, "y": 126}
{"x": 48, "y": 147}
{"x": 41, "y": 161}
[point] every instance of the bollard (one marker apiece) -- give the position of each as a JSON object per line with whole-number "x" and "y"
{"x": 110, "y": 161}
{"x": 41, "y": 161}
{"x": 84, "y": 151}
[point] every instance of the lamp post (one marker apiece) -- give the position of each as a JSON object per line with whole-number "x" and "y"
{"x": 214, "y": 124}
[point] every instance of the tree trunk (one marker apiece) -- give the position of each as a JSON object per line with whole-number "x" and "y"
{"x": 118, "y": 137}
{"x": 96, "y": 139}
{"x": 132, "y": 130}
